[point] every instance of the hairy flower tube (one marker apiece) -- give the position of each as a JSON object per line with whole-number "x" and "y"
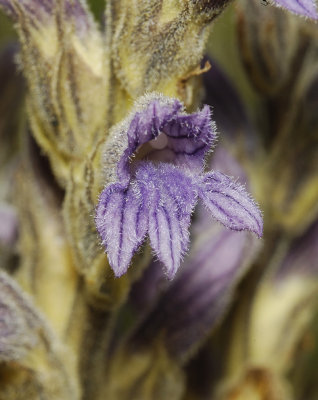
{"x": 153, "y": 191}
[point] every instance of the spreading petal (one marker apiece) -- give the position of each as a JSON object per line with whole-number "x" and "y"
{"x": 121, "y": 222}
{"x": 170, "y": 197}
{"x": 230, "y": 204}
{"x": 306, "y": 8}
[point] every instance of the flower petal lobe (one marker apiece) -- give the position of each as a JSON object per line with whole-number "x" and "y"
{"x": 230, "y": 204}
{"x": 170, "y": 197}
{"x": 122, "y": 225}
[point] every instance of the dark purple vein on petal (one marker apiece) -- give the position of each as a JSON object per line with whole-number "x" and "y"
{"x": 121, "y": 227}
{"x": 237, "y": 202}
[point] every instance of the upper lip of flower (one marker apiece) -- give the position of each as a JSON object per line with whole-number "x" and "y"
{"x": 186, "y": 136}
{"x": 157, "y": 198}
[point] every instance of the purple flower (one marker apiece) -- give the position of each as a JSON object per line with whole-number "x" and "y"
{"x": 155, "y": 193}
{"x": 306, "y": 8}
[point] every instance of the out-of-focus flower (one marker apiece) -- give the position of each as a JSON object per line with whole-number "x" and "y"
{"x": 306, "y": 8}
{"x": 157, "y": 195}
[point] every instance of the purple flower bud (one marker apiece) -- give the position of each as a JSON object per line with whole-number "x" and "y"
{"x": 155, "y": 194}
{"x": 146, "y": 291}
